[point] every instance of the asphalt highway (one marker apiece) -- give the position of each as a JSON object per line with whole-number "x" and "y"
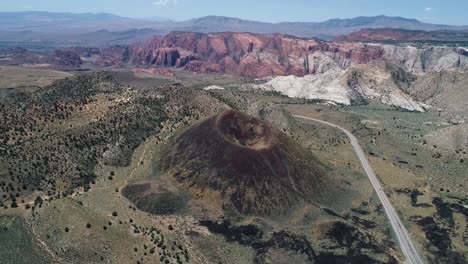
{"x": 407, "y": 247}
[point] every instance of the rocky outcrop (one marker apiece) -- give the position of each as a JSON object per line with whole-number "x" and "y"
{"x": 202, "y": 67}
{"x": 257, "y": 55}
{"x": 389, "y": 83}
{"x": 113, "y": 57}
{"x": 159, "y": 57}
{"x": 243, "y": 54}
{"x": 432, "y": 59}
{"x": 328, "y": 86}
{"x": 355, "y": 85}
{"x": 66, "y": 58}
{"x": 446, "y": 91}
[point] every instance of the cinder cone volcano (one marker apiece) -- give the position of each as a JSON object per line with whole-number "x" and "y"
{"x": 250, "y": 164}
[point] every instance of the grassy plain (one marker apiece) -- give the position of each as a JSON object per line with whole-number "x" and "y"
{"x": 16, "y": 77}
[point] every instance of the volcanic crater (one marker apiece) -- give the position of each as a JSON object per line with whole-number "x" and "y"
{"x": 244, "y": 130}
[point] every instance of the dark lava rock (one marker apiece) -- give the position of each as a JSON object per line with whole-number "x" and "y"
{"x": 244, "y": 235}
{"x": 444, "y": 210}
{"x": 250, "y": 235}
{"x": 147, "y": 199}
{"x": 285, "y": 241}
{"x": 439, "y": 238}
{"x": 344, "y": 235}
{"x": 414, "y": 193}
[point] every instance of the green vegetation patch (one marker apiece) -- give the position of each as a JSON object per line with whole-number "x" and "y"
{"x": 17, "y": 243}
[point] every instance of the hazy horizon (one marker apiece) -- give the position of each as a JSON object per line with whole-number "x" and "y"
{"x": 449, "y": 12}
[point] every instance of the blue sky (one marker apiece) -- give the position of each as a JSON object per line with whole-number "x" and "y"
{"x": 432, "y": 11}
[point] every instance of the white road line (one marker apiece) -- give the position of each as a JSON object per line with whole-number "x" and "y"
{"x": 404, "y": 239}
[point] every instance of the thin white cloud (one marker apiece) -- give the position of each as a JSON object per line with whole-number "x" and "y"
{"x": 427, "y": 9}
{"x": 165, "y": 2}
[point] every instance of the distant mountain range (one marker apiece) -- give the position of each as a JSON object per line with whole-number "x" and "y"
{"x": 397, "y": 34}
{"x": 104, "y": 29}
{"x": 326, "y": 30}
{"x": 50, "y": 22}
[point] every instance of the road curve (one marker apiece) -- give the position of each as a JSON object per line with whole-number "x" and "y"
{"x": 404, "y": 239}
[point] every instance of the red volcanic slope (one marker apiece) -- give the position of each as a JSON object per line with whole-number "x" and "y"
{"x": 241, "y": 54}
